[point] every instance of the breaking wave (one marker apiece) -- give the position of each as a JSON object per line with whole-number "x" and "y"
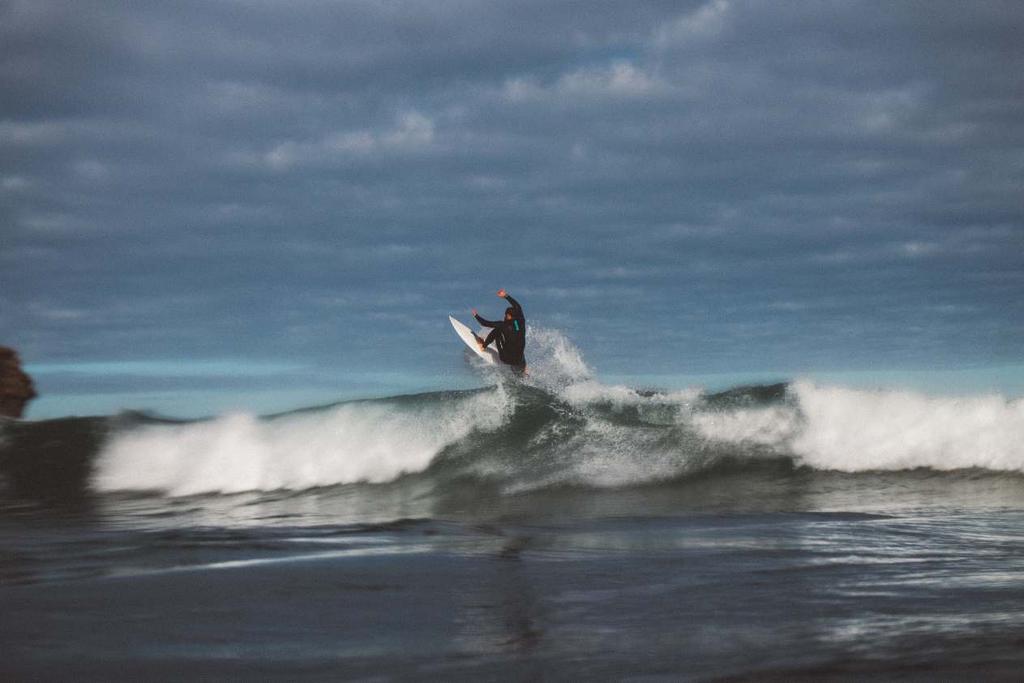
{"x": 851, "y": 430}
{"x": 372, "y": 441}
{"x": 558, "y": 427}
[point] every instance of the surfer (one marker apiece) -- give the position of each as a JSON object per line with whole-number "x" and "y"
{"x": 509, "y": 335}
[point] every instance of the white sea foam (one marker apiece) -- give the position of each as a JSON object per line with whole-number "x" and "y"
{"x": 773, "y": 426}
{"x": 557, "y": 366}
{"x": 553, "y": 361}
{"x": 610, "y": 455}
{"x": 601, "y": 435}
{"x": 853, "y": 430}
{"x": 353, "y": 442}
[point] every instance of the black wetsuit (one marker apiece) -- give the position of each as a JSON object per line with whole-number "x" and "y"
{"x": 509, "y": 335}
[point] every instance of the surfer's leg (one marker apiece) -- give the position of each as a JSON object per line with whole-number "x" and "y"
{"x": 492, "y": 337}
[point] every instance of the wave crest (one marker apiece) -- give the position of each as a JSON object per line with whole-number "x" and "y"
{"x": 561, "y": 426}
{"x": 363, "y": 441}
{"x": 854, "y": 430}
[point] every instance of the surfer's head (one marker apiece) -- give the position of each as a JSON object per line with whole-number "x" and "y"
{"x": 510, "y": 313}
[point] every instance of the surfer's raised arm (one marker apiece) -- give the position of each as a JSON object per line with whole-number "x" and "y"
{"x": 515, "y": 304}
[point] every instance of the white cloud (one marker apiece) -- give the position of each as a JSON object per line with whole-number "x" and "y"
{"x": 283, "y": 156}
{"x": 414, "y": 131}
{"x": 520, "y": 89}
{"x": 15, "y": 183}
{"x": 706, "y": 22}
{"x": 48, "y": 223}
{"x": 411, "y": 132}
{"x": 918, "y": 248}
{"x": 620, "y": 79}
{"x": 57, "y": 313}
{"x": 886, "y": 111}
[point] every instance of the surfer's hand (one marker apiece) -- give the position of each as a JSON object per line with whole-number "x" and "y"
{"x": 502, "y": 293}
{"x": 473, "y": 311}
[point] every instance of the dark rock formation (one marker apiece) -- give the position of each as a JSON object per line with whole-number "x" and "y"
{"x": 16, "y": 388}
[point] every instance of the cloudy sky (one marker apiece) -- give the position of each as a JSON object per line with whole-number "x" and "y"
{"x": 276, "y": 200}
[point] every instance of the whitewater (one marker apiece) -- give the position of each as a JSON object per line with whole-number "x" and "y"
{"x": 562, "y": 426}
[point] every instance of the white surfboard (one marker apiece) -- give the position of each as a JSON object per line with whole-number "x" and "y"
{"x": 466, "y": 335}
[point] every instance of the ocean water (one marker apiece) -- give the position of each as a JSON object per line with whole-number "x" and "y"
{"x": 552, "y": 528}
